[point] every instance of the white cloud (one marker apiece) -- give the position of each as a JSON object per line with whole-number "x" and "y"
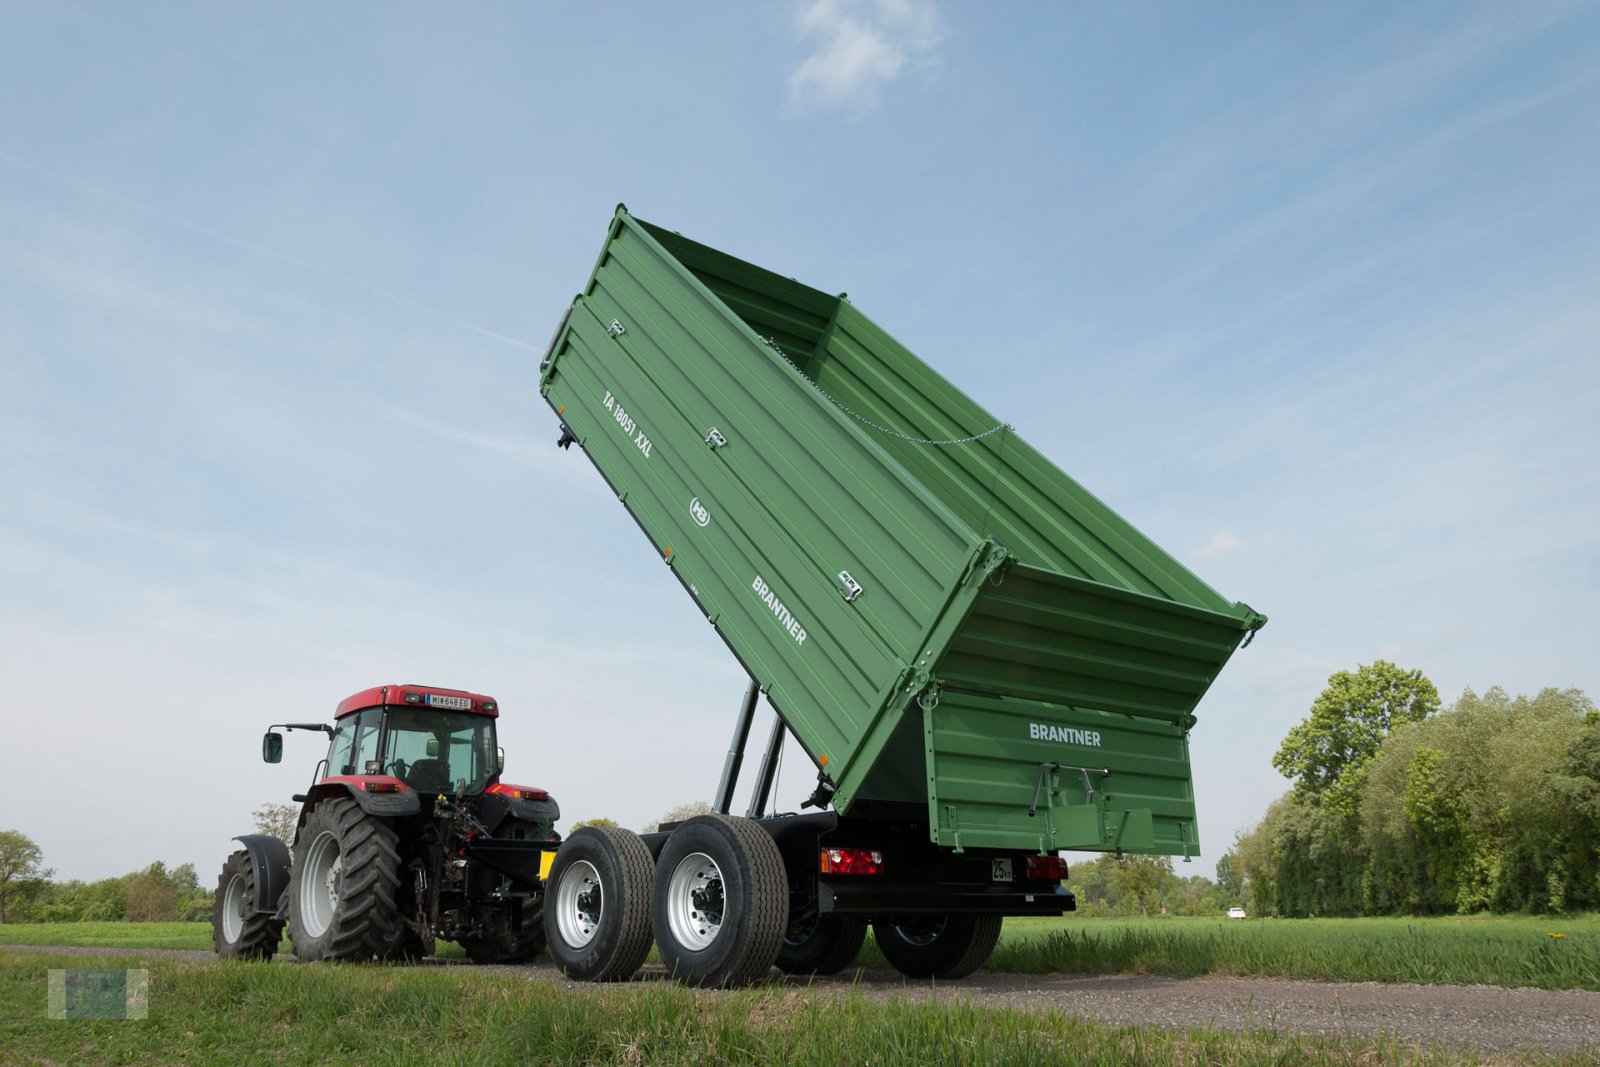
{"x": 861, "y": 45}
{"x": 1222, "y": 543}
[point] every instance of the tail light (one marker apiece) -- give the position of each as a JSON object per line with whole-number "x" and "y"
{"x": 1046, "y": 868}
{"x": 851, "y": 861}
{"x": 517, "y": 792}
{"x": 390, "y": 786}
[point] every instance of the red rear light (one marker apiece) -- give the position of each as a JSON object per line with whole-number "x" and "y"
{"x": 1046, "y": 868}
{"x": 851, "y": 861}
{"x": 381, "y": 787}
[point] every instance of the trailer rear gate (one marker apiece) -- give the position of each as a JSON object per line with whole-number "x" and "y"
{"x": 942, "y": 617}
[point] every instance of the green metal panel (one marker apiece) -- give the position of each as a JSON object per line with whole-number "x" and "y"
{"x": 762, "y": 432}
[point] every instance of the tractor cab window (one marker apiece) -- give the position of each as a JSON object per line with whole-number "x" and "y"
{"x": 439, "y": 752}
{"x": 355, "y": 741}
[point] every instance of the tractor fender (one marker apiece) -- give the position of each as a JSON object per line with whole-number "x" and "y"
{"x": 387, "y": 805}
{"x": 270, "y": 858}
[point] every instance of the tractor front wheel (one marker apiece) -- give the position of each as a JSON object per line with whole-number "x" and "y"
{"x": 238, "y": 931}
{"x": 343, "y": 887}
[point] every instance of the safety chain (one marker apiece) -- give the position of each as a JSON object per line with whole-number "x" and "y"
{"x": 863, "y": 420}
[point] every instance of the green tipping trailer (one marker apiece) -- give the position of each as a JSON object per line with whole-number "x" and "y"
{"x": 960, "y": 636}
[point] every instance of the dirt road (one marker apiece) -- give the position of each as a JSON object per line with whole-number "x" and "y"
{"x": 1486, "y": 1018}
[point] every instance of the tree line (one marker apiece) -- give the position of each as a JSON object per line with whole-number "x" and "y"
{"x": 1401, "y": 807}
{"x": 154, "y": 894}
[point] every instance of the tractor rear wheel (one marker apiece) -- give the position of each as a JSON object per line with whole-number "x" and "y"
{"x": 721, "y": 901}
{"x": 821, "y": 944}
{"x": 238, "y": 931}
{"x": 342, "y": 890}
{"x": 937, "y": 946}
{"x": 597, "y": 904}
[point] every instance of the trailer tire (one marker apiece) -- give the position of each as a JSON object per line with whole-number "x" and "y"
{"x": 597, "y": 904}
{"x": 342, "y": 891}
{"x": 238, "y": 931}
{"x": 937, "y": 946}
{"x": 721, "y": 901}
{"x": 824, "y": 944}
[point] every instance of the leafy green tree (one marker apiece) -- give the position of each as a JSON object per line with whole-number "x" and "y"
{"x": 1142, "y": 879}
{"x": 22, "y": 872}
{"x": 1327, "y": 752}
{"x": 1230, "y": 880}
{"x": 681, "y": 813}
{"x": 602, "y": 822}
{"x": 279, "y": 820}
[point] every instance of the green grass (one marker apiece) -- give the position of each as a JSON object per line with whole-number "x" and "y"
{"x": 1489, "y": 950}
{"x": 243, "y": 1013}
{"x": 1507, "y": 951}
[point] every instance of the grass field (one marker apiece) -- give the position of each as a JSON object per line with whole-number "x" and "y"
{"x": 243, "y": 1013}
{"x": 1509, "y": 951}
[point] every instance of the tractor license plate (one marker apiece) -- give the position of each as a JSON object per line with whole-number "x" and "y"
{"x": 1000, "y": 870}
{"x": 453, "y": 703}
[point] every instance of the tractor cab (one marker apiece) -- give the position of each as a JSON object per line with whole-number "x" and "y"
{"x": 433, "y": 740}
{"x": 436, "y": 741}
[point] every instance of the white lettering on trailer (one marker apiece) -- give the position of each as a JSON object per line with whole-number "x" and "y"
{"x": 627, "y": 424}
{"x": 779, "y": 612}
{"x": 1067, "y": 735}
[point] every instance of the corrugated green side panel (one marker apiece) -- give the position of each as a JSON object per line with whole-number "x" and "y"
{"x": 1046, "y": 636}
{"x": 990, "y": 759}
{"x": 795, "y": 496}
{"x": 1001, "y": 486}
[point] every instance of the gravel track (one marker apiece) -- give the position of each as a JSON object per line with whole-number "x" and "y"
{"x": 1485, "y": 1018}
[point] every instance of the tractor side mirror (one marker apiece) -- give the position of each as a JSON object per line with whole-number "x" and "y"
{"x": 272, "y": 747}
{"x": 500, "y": 760}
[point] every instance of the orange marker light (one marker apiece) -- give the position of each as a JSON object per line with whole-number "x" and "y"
{"x": 666, "y": 553}
{"x": 822, "y": 761}
{"x": 562, "y": 410}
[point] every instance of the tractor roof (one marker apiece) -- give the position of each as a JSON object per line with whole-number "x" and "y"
{"x": 433, "y": 697}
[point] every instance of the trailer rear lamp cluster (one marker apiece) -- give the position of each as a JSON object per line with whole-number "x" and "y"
{"x": 382, "y": 787}
{"x": 851, "y": 861}
{"x": 1046, "y": 868}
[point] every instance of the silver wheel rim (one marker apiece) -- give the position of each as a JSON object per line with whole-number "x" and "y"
{"x": 319, "y": 885}
{"x": 233, "y": 910}
{"x": 922, "y": 933}
{"x": 580, "y": 904}
{"x": 695, "y": 901}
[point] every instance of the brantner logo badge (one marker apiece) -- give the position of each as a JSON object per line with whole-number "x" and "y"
{"x": 698, "y": 512}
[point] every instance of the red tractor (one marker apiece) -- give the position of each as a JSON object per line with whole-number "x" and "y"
{"x": 407, "y": 834}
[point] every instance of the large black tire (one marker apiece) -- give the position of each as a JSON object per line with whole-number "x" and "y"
{"x": 721, "y": 902}
{"x": 597, "y": 904}
{"x": 343, "y": 886}
{"x": 238, "y": 931}
{"x": 821, "y": 944}
{"x": 501, "y": 944}
{"x": 937, "y": 946}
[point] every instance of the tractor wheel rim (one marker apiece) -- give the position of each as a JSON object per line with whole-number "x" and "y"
{"x": 695, "y": 901}
{"x": 233, "y": 910}
{"x": 580, "y": 904}
{"x": 319, "y": 885}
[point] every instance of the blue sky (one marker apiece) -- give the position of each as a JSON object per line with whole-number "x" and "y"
{"x": 1308, "y": 293}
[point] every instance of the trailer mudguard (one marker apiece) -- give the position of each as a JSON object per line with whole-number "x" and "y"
{"x": 270, "y": 858}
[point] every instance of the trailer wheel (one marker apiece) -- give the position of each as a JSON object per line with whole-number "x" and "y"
{"x": 937, "y": 946}
{"x": 597, "y": 904}
{"x": 821, "y": 944}
{"x": 721, "y": 901}
{"x": 342, "y": 891}
{"x": 238, "y": 931}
